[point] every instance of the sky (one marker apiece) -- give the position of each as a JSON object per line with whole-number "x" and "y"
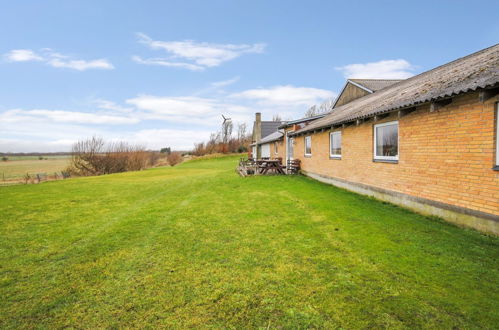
{"x": 161, "y": 73}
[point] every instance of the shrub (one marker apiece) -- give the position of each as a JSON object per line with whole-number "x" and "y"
{"x": 95, "y": 157}
{"x": 242, "y": 149}
{"x": 28, "y": 178}
{"x": 166, "y": 150}
{"x": 5, "y": 158}
{"x": 174, "y": 158}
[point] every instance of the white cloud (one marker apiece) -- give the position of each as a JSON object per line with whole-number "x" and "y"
{"x": 81, "y": 65}
{"x": 155, "y": 139}
{"x": 166, "y": 62}
{"x": 56, "y": 60}
{"x": 176, "y": 138}
{"x": 224, "y": 83}
{"x": 187, "y": 109}
{"x": 187, "y": 105}
{"x": 152, "y": 120}
{"x": 60, "y": 116}
{"x": 22, "y": 55}
{"x": 386, "y": 69}
{"x": 110, "y": 105}
{"x": 195, "y": 56}
{"x": 286, "y": 95}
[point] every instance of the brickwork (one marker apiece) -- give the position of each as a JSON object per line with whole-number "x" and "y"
{"x": 445, "y": 156}
{"x": 281, "y": 151}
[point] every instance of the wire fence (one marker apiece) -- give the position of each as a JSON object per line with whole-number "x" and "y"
{"x": 32, "y": 178}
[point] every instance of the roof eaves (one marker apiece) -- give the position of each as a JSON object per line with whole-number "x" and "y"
{"x": 301, "y": 120}
{"x": 392, "y": 109}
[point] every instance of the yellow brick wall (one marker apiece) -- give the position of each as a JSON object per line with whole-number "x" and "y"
{"x": 446, "y": 156}
{"x": 281, "y": 152}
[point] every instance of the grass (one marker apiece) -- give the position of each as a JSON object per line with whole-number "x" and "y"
{"x": 197, "y": 246}
{"x": 17, "y": 167}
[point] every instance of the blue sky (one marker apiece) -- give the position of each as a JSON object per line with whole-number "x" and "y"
{"x": 160, "y": 73}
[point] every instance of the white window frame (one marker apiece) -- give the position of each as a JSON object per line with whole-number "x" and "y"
{"x": 309, "y": 138}
{"x": 376, "y": 157}
{"x": 275, "y": 148}
{"x": 496, "y": 167}
{"x": 290, "y": 148}
{"x": 337, "y": 156}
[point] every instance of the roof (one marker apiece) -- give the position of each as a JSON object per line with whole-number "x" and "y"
{"x": 368, "y": 85}
{"x": 374, "y": 85}
{"x": 276, "y": 136}
{"x": 269, "y": 127}
{"x": 476, "y": 71}
{"x": 301, "y": 120}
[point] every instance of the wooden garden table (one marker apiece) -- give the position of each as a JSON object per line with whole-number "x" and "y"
{"x": 270, "y": 165}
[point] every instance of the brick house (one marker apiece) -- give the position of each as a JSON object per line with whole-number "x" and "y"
{"x": 428, "y": 143}
{"x": 261, "y": 130}
{"x": 277, "y": 144}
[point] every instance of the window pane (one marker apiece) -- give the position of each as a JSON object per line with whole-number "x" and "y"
{"x": 336, "y": 144}
{"x": 387, "y": 140}
{"x": 308, "y": 147}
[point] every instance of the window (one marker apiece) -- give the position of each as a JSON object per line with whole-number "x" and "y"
{"x": 275, "y": 148}
{"x": 335, "y": 145}
{"x": 291, "y": 142}
{"x": 308, "y": 146}
{"x": 386, "y": 145}
{"x": 497, "y": 138}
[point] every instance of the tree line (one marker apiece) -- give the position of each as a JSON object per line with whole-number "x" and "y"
{"x": 225, "y": 141}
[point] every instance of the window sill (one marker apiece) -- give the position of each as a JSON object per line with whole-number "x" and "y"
{"x": 335, "y": 157}
{"x": 307, "y": 156}
{"x": 391, "y": 161}
{"x": 496, "y": 168}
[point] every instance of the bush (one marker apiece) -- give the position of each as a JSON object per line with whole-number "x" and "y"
{"x": 28, "y": 178}
{"x": 242, "y": 149}
{"x": 5, "y": 158}
{"x": 174, "y": 158}
{"x": 95, "y": 157}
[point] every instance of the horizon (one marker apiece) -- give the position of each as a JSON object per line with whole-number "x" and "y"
{"x": 162, "y": 74}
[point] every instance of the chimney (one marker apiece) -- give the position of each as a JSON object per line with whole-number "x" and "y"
{"x": 258, "y": 127}
{"x": 257, "y": 134}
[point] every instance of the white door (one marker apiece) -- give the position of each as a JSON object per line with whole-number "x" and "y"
{"x": 266, "y": 150}
{"x": 253, "y": 152}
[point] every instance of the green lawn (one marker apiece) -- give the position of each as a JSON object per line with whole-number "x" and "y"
{"x": 198, "y": 246}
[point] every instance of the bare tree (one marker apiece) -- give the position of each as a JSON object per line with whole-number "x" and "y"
{"x": 315, "y": 110}
{"x": 312, "y": 111}
{"x": 276, "y": 117}
{"x": 223, "y": 141}
{"x": 95, "y": 157}
{"x": 174, "y": 158}
{"x": 226, "y": 131}
{"x": 241, "y": 132}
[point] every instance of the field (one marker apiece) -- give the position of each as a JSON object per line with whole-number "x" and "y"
{"x": 198, "y": 246}
{"x": 16, "y": 167}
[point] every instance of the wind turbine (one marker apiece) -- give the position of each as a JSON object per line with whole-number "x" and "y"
{"x": 225, "y": 119}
